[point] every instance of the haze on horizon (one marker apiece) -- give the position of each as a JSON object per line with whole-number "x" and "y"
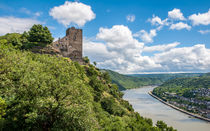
{"x": 126, "y": 36}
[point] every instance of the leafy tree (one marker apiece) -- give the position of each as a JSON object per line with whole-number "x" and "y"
{"x": 11, "y": 38}
{"x": 94, "y": 63}
{"x": 40, "y": 34}
{"x": 86, "y": 60}
{"x": 161, "y": 125}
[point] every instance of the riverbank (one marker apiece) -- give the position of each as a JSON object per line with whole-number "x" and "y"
{"x": 176, "y": 108}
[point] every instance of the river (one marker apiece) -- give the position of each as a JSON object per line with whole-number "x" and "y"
{"x": 150, "y": 107}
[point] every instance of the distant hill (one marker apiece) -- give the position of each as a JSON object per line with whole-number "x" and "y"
{"x": 165, "y": 77}
{"x": 138, "y": 80}
{"x": 129, "y": 82}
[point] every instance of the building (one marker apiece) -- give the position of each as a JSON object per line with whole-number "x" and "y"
{"x": 70, "y": 45}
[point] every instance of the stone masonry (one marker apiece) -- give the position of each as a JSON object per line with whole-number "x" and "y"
{"x": 70, "y": 45}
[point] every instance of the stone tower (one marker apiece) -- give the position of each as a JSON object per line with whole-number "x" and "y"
{"x": 70, "y": 45}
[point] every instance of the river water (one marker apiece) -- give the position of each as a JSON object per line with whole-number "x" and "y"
{"x": 150, "y": 107}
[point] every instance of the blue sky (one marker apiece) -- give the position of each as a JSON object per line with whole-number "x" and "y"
{"x": 128, "y": 36}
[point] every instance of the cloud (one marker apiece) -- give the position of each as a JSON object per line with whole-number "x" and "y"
{"x": 195, "y": 58}
{"x": 118, "y": 38}
{"x": 95, "y": 50}
{"x": 72, "y": 13}
{"x": 180, "y": 26}
{"x": 118, "y": 50}
{"x": 155, "y": 20}
{"x": 130, "y": 18}
{"x": 18, "y": 25}
{"x": 163, "y": 47}
{"x": 28, "y": 12}
{"x": 204, "y": 31}
{"x": 123, "y": 49}
{"x": 200, "y": 19}
{"x": 176, "y": 14}
{"x": 38, "y": 14}
{"x": 145, "y": 36}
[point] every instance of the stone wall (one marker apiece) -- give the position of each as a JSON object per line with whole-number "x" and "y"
{"x": 70, "y": 45}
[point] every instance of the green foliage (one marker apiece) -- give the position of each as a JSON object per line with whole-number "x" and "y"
{"x": 36, "y": 36}
{"x": 138, "y": 80}
{"x": 43, "y": 92}
{"x": 86, "y": 60}
{"x": 40, "y": 34}
{"x": 128, "y": 82}
{"x": 109, "y": 105}
{"x": 183, "y": 86}
{"x": 11, "y": 38}
{"x": 163, "y": 126}
{"x": 2, "y": 108}
{"x": 94, "y": 63}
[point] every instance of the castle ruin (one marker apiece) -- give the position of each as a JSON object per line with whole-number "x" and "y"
{"x": 70, "y": 45}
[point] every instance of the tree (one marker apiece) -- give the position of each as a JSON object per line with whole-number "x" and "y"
{"x": 161, "y": 125}
{"x": 40, "y": 34}
{"x": 11, "y": 38}
{"x": 86, "y": 60}
{"x": 2, "y": 108}
{"x": 94, "y": 63}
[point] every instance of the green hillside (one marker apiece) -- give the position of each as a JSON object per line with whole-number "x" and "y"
{"x": 129, "y": 82}
{"x": 183, "y": 86}
{"x": 191, "y": 94}
{"x": 165, "y": 77}
{"x": 45, "y": 92}
{"x": 137, "y": 80}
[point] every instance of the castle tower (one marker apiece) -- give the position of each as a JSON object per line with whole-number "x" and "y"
{"x": 74, "y": 40}
{"x": 71, "y": 45}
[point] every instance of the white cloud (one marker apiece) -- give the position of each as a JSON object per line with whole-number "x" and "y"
{"x": 163, "y": 47}
{"x": 200, "y": 19}
{"x": 38, "y": 14}
{"x": 180, "y": 26}
{"x": 155, "y": 20}
{"x": 72, "y": 13}
{"x": 204, "y": 31}
{"x": 145, "y": 36}
{"x": 195, "y": 58}
{"x": 96, "y": 51}
{"x": 130, "y": 18}
{"x": 13, "y": 24}
{"x": 118, "y": 50}
{"x": 28, "y": 12}
{"x": 176, "y": 14}
{"x": 124, "y": 50}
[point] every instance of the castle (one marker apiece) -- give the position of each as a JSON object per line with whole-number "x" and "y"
{"x": 70, "y": 45}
